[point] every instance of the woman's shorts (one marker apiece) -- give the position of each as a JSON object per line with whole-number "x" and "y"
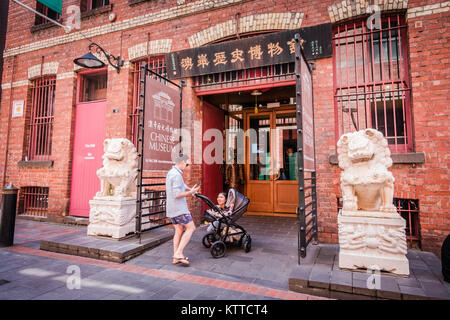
{"x": 182, "y": 220}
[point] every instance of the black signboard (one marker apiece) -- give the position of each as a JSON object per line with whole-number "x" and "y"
{"x": 258, "y": 51}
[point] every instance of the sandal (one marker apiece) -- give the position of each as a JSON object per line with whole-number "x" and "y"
{"x": 184, "y": 261}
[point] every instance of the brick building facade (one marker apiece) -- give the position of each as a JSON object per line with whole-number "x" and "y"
{"x": 3, "y": 22}
{"x": 144, "y": 29}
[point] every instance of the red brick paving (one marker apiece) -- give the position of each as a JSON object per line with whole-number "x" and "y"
{"x": 49, "y": 234}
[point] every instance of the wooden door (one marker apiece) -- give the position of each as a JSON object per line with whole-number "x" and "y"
{"x": 272, "y": 188}
{"x": 285, "y": 163}
{"x": 259, "y": 162}
{"x": 87, "y": 155}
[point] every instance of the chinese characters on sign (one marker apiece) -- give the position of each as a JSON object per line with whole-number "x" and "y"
{"x": 258, "y": 51}
{"x": 162, "y": 119}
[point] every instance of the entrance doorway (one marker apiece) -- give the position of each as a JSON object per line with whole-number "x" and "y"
{"x": 270, "y": 174}
{"x": 88, "y": 141}
{"x": 271, "y": 179}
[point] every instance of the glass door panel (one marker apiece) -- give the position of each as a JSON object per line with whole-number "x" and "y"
{"x": 260, "y": 148}
{"x": 285, "y": 192}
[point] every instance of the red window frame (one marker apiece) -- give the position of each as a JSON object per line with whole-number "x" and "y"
{"x": 41, "y": 119}
{"x": 156, "y": 64}
{"x": 371, "y": 81}
{"x": 45, "y": 11}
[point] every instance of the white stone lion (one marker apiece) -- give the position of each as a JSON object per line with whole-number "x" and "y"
{"x": 366, "y": 183}
{"x": 119, "y": 171}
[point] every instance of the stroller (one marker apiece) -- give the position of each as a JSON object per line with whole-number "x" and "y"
{"x": 226, "y": 231}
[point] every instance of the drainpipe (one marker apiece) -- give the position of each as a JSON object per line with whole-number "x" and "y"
{"x": 9, "y": 122}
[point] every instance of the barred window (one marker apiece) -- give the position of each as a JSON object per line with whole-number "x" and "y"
{"x": 409, "y": 210}
{"x": 40, "y": 129}
{"x": 245, "y": 78}
{"x": 371, "y": 80}
{"x": 33, "y": 201}
{"x": 156, "y": 64}
{"x": 87, "y": 5}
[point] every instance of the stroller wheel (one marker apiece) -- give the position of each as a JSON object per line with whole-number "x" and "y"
{"x": 218, "y": 249}
{"x": 247, "y": 243}
{"x": 209, "y": 239}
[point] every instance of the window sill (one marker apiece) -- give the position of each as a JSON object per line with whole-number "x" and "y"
{"x": 405, "y": 158}
{"x": 133, "y": 2}
{"x": 96, "y": 11}
{"x": 44, "y": 26}
{"x": 35, "y": 164}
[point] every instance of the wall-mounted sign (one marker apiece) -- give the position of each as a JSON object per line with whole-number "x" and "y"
{"x": 269, "y": 49}
{"x": 162, "y": 119}
{"x": 17, "y": 108}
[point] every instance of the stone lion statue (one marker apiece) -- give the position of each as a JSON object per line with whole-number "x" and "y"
{"x": 366, "y": 183}
{"x": 119, "y": 171}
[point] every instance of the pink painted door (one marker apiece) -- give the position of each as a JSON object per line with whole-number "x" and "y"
{"x": 87, "y": 155}
{"x": 212, "y": 178}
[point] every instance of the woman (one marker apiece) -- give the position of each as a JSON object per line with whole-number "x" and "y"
{"x": 221, "y": 204}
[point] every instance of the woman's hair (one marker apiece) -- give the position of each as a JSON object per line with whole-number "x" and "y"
{"x": 224, "y": 194}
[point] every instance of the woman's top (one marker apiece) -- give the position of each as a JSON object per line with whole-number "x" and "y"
{"x": 226, "y": 210}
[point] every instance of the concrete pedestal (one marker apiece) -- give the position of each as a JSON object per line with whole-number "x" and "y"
{"x": 372, "y": 240}
{"x": 112, "y": 217}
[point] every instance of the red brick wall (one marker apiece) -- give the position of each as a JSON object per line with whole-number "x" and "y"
{"x": 429, "y": 69}
{"x": 429, "y": 46}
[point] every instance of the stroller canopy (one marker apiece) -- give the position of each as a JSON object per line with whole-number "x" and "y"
{"x": 239, "y": 203}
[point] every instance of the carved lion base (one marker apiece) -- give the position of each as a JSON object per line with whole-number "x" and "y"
{"x": 112, "y": 217}
{"x": 372, "y": 240}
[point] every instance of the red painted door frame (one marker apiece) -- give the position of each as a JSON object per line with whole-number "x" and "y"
{"x": 212, "y": 177}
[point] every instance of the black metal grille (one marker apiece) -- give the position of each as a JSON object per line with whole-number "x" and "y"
{"x": 33, "y": 201}
{"x": 307, "y": 206}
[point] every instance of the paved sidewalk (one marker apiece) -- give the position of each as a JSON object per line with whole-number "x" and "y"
{"x": 30, "y": 273}
{"x": 319, "y": 274}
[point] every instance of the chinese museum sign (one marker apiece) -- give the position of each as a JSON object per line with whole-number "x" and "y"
{"x": 162, "y": 119}
{"x": 269, "y": 49}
